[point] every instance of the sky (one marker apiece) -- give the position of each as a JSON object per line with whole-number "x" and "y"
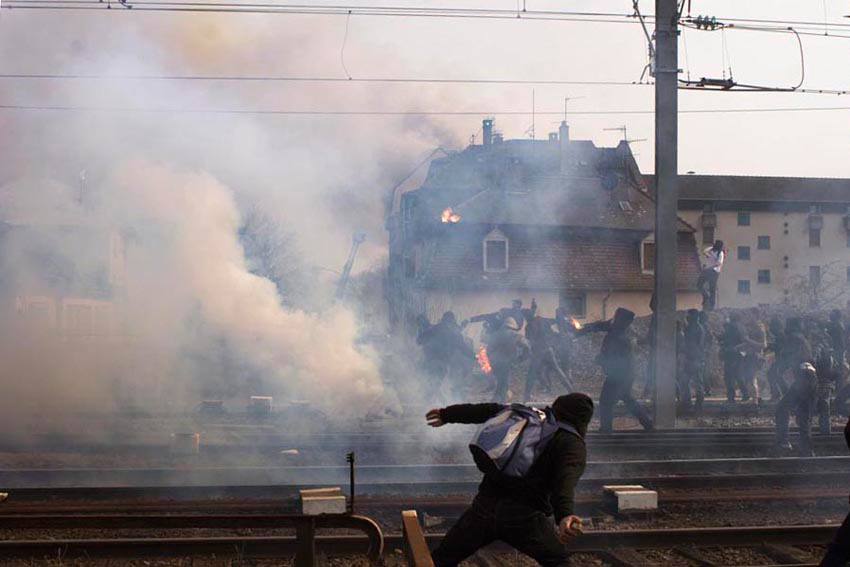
{"x": 326, "y": 176}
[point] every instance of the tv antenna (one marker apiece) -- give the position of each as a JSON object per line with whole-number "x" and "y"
{"x": 568, "y": 99}
{"x": 625, "y": 134}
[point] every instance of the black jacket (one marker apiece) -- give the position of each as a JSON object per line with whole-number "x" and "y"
{"x": 550, "y": 484}
{"x": 616, "y": 354}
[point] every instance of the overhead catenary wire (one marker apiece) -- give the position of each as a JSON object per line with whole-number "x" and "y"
{"x": 323, "y": 112}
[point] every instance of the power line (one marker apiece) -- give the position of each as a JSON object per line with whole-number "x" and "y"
{"x": 289, "y": 112}
{"x": 306, "y": 79}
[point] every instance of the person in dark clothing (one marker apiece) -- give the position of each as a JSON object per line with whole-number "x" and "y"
{"x": 776, "y": 372}
{"x": 837, "y": 335}
{"x": 617, "y": 362}
{"x": 542, "y": 340}
{"x": 564, "y": 341}
{"x": 838, "y": 552}
{"x": 505, "y": 347}
{"x": 694, "y": 346}
{"x": 801, "y": 395}
{"x": 516, "y": 510}
{"x": 732, "y": 340}
{"x": 439, "y": 344}
{"x": 827, "y": 372}
{"x": 650, "y": 338}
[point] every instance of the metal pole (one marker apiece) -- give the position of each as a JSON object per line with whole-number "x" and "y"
{"x": 666, "y": 140}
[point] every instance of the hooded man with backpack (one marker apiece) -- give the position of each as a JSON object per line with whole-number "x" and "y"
{"x": 514, "y": 503}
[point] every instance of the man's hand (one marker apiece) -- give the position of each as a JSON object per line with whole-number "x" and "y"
{"x": 569, "y": 528}
{"x": 434, "y": 418}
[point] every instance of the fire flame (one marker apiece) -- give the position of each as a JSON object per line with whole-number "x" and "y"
{"x": 575, "y": 324}
{"x": 483, "y": 360}
{"x": 449, "y": 215}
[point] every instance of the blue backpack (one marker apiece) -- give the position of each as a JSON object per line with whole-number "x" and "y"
{"x": 510, "y": 442}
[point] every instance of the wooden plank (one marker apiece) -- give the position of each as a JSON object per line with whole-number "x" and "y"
{"x": 415, "y": 548}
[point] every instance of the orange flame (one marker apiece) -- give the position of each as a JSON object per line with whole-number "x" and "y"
{"x": 575, "y": 324}
{"x": 483, "y": 360}
{"x": 449, "y": 215}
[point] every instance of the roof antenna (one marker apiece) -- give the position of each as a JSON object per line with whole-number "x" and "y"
{"x": 566, "y": 100}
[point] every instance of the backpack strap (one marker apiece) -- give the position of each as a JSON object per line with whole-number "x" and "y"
{"x": 569, "y": 429}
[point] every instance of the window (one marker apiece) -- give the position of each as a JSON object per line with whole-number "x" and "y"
{"x": 495, "y": 252}
{"x": 743, "y": 252}
{"x": 708, "y": 235}
{"x": 574, "y": 304}
{"x": 744, "y": 287}
{"x": 78, "y": 319}
{"x": 764, "y": 276}
{"x": 814, "y": 238}
{"x": 764, "y": 243}
{"x": 814, "y": 276}
{"x": 626, "y": 206}
{"x": 744, "y": 218}
{"x": 648, "y": 257}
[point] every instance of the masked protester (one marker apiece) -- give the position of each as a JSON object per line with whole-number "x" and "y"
{"x": 440, "y": 343}
{"x": 517, "y": 510}
{"x": 617, "y": 362}
{"x": 504, "y": 348}
{"x": 694, "y": 346}
{"x": 732, "y": 340}
{"x": 776, "y": 372}
{"x": 803, "y": 390}
{"x": 542, "y": 341}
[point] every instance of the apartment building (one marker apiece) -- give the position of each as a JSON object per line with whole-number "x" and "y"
{"x": 787, "y": 239}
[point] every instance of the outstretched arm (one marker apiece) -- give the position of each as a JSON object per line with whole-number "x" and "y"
{"x": 462, "y": 413}
{"x": 597, "y": 327}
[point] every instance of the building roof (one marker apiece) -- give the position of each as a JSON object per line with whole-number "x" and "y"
{"x": 521, "y": 182}
{"x": 744, "y": 188}
{"x": 545, "y": 262}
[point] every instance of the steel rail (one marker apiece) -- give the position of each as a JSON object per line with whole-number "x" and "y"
{"x": 276, "y": 546}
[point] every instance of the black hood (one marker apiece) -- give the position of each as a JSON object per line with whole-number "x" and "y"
{"x": 575, "y": 409}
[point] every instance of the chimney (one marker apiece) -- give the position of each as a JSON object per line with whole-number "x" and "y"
{"x": 564, "y": 138}
{"x": 487, "y": 132}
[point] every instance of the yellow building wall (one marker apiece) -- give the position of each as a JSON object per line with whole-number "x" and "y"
{"x": 833, "y": 255}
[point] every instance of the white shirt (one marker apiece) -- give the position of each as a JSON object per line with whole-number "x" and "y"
{"x": 714, "y": 260}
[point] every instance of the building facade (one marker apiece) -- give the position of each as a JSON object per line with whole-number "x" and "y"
{"x": 559, "y": 221}
{"x": 787, "y": 239}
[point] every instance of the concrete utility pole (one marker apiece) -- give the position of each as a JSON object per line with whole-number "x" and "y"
{"x": 666, "y": 141}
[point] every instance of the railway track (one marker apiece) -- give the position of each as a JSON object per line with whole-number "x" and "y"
{"x": 401, "y": 479}
{"x": 704, "y": 547}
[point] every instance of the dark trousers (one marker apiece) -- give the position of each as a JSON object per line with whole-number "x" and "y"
{"x": 838, "y": 552}
{"x": 543, "y": 364}
{"x": 502, "y": 374}
{"x": 732, "y": 367}
{"x": 436, "y": 372}
{"x": 491, "y": 519}
{"x": 616, "y": 389}
{"x": 775, "y": 379}
{"x": 798, "y": 399}
{"x": 692, "y": 375}
{"x": 824, "y": 409}
{"x": 707, "y": 286}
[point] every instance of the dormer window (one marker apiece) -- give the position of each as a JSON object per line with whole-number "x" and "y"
{"x": 496, "y": 252}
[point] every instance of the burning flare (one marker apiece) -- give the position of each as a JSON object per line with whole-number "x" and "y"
{"x": 449, "y": 215}
{"x": 483, "y": 360}
{"x": 575, "y": 324}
